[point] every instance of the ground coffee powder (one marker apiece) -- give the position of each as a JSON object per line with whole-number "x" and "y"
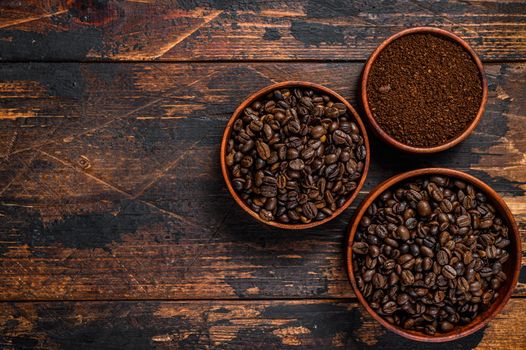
{"x": 424, "y": 90}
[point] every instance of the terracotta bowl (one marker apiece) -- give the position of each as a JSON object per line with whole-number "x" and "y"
{"x": 391, "y": 140}
{"x": 511, "y": 267}
{"x": 261, "y": 93}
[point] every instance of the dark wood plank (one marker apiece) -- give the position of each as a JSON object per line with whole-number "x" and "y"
{"x": 322, "y": 324}
{"x": 110, "y": 184}
{"x": 247, "y": 30}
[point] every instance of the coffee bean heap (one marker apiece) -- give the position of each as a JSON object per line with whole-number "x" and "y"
{"x": 428, "y": 254}
{"x": 295, "y": 156}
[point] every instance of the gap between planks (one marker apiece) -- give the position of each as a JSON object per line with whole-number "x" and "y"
{"x": 203, "y": 300}
{"x": 227, "y": 61}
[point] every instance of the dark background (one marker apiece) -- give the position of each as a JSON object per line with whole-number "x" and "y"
{"x": 116, "y": 229}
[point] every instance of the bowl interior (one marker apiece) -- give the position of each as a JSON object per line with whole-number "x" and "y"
{"x": 261, "y": 93}
{"x": 511, "y": 267}
{"x": 365, "y": 98}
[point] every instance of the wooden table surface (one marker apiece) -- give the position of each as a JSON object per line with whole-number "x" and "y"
{"x": 116, "y": 229}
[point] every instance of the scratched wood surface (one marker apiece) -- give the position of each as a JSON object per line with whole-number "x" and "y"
{"x": 307, "y": 324}
{"x": 116, "y": 230}
{"x": 245, "y": 30}
{"x": 148, "y": 216}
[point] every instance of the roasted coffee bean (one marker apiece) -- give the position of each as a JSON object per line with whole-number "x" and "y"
{"x": 430, "y": 279}
{"x": 360, "y": 248}
{"x": 293, "y": 215}
{"x": 413, "y": 195}
{"x": 332, "y": 172}
{"x": 271, "y": 204}
{"x": 247, "y": 161}
{"x": 255, "y": 125}
{"x": 442, "y": 257}
{"x": 269, "y": 191}
{"x": 370, "y": 262}
{"x": 368, "y": 275}
{"x": 432, "y": 256}
{"x": 446, "y": 206}
{"x": 308, "y": 143}
{"x": 407, "y": 278}
{"x": 403, "y": 233}
{"x": 230, "y": 159}
{"x": 374, "y": 250}
{"x": 449, "y": 272}
{"x": 486, "y": 272}
{"x": 463, "y": 220}
{"x": 502, "y": 243}
{"x": 247, "y": 146}
{"x": 379, "y": 281}
{"x": 297, "y": 164}
{"x": 331, "y": 159}
{"x": 339, "y": 137}
{"x": 414, "y": 249}
{"x": 426, "y": 251}
{"x": 281, "y": 181}
{"x": 318, "y": 131}
{"x": 427, "y": 264}
{"x": 389, "y": 307}
{"x": 402, "y": 298}
{"x": 266, "y": 215}
{"x": 294, "y": 126}
{"x": 486, "y": 223}
{"x": 263, "y": 150}
{"x": 467, "y": 257}
{"x": 307, "y": 153}
{"x": 411, "y": 223}
{"x": 292, "y": 153}
{"x": 309, "y": 210}
{"x": 238, "y": 184}
{"x": 351, "y": 166}
{"x": 446, "y": 326}
{"x": 423, "y": 208}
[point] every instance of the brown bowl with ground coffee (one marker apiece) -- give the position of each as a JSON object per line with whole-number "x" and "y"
{"x": 424, "y": 90}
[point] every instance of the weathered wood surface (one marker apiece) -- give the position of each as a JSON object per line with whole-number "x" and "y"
{"x": 308, "y": 324}
{"x": 116, "y": 230}
{"x": 110, "y": 185}
{"x": 246, "y": 30}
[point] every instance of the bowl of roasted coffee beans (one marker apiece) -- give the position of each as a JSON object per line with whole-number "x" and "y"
{"x": 294, "y": 155}
{"x": 423, "y": 90}
{"x": 433, "y": 254}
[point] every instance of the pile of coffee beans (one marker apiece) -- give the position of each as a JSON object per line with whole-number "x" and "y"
{"x": 295, "y": 156}
{"x": 428, "y": 255}
{"x": 423, "y": 82}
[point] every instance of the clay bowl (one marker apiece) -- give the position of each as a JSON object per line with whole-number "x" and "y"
{"x": 511, "y": 267}
{"x": 391, "y": 140}
{"x": 261, "y": 93}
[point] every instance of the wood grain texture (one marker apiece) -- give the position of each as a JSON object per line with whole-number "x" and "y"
{"x": 308, "y": 324}
{"x": 116, "y": 230}
{"x": 245, "y": 30}
{"x": 110, "y": 184}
